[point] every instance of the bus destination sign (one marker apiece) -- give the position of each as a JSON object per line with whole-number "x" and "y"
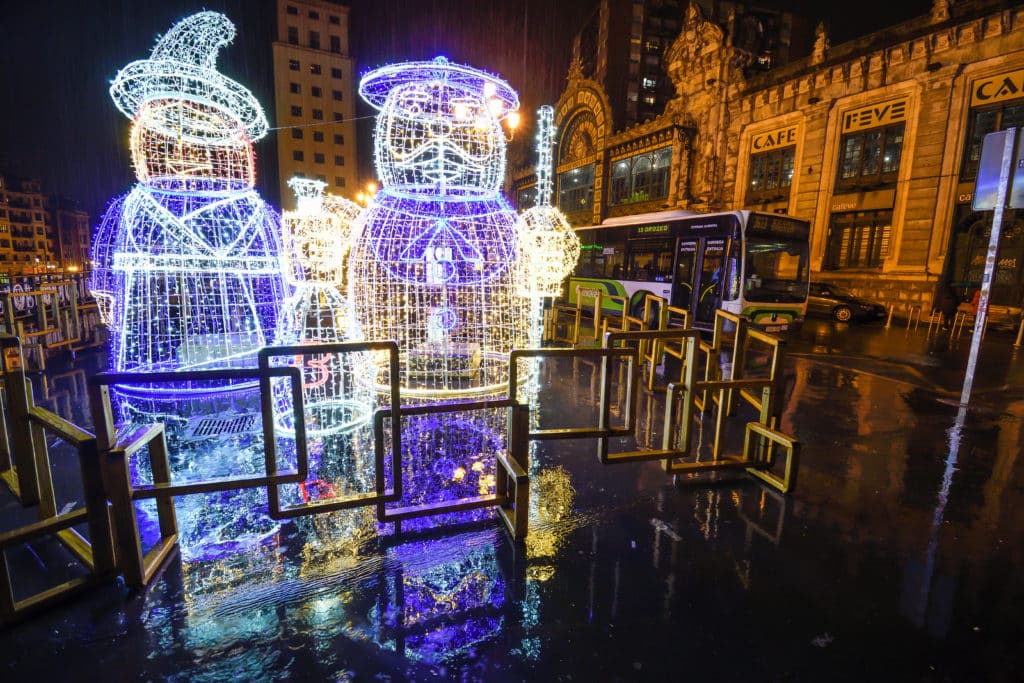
{"x": 778, "y": 226}
{"x": 654, "y": 230}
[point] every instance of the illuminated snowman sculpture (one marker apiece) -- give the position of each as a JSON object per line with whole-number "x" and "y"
{"x": 187, "y": 269}
{"x": 337, "y": 389}
{"x": 435, "y": 265}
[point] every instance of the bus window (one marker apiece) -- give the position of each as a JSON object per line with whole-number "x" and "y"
{"x": 710, "y": 280}
{"x": 682, "y": 289}
{"x": 776, "y": 271}
{"x": 650, "y": 261}
{"x": 733, "y": 274}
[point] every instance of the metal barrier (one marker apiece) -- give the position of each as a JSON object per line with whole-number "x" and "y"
{"x": 31, "y": 482}
{"x": 111, "y": 495}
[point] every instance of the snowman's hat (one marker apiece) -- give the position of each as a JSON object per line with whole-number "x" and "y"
{"x": 183, "y": 66}
{"x": 379, "y": 83}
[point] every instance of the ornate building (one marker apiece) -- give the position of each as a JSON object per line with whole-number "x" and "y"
{"x": 875, "y": 141}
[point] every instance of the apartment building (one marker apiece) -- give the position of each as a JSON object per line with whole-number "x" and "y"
{"x": 314, "y": 97}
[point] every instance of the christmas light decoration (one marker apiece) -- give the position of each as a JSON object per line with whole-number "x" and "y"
{"x": 550, "y": 245}
{"x": 337, "y": 389}
{"x": 434, "y": 265}
{"x": 187, "y": 270}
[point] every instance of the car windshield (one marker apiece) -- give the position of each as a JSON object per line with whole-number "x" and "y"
{"x": 776, "y": 270}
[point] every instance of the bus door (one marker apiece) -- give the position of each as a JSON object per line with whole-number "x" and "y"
{"x": 686, "y": 266}
{"x": 709, "y": 292}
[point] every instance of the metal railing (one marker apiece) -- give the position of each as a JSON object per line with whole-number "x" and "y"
{"x": 115, "y": 542}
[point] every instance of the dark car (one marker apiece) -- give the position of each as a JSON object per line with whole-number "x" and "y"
{"x": 825, "y": 298}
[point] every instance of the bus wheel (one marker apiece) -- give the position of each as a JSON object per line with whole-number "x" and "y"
{"x": 842, "y": 314}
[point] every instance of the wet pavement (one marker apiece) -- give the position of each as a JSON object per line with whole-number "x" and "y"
{"x": 898, "y": 557}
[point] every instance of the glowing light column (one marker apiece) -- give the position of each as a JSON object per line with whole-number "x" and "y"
{"x": 434, "y": 266}
{"x": 187, "y": 267}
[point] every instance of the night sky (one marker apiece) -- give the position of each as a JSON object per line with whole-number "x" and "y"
{"x": 57, "y": 59}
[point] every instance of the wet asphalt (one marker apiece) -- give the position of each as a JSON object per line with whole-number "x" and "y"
{"x": 898, "y": 556}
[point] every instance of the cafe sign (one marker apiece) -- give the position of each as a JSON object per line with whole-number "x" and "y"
{"x": 773, "y": 139}
{"x": 874, "y": 115}
{"x": 999, "y": 88}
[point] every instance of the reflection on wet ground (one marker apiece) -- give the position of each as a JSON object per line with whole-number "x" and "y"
{"x": 897, "y": 557}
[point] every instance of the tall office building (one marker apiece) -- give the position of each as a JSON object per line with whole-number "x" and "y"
{"x": 622, "y": 46}
{"x": 314, "y": 97}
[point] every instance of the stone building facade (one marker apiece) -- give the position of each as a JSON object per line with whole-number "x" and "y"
{"x": 875, "y": 142}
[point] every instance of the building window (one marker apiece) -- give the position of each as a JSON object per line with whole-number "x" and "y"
{"x": 870, "y": 158}
{"x": 297, "y": 155}
{"x": 339, "y": 139}
{"x": 293, "y": 10}
{"x": 576, "y": 189}
{"x": 982, "y": 122}
{"x": 335, "y": 44}
{"x": 322, "y": 178}
{"x": 336, "y": 94}
{"x": 526, "y": 198}
{"x": 316, "y": 91}
{"x": 314, "y": 40}
{"x": 296, "y": 110}
{"x": 641, "y": 178}
{"x": 318, "y": 157}
{"x": 771, "y": 175}
{"x": 297, "y": 133}
{"x": 339, "y": 160}
{"x": 858, "y": 240}
{"x": 318, "y": 136}
{"x": 649, "y": 82}
{"x": 335, "y": 72}
{"x": 334, "y": 19}
{"x": 313, "y": 14}
{"x": 339, "y": 181}
{"x": 295, "y": 88}
{"x": 293, "y": 64}
{"x": 314, "y": 69}
{"x": 293, "y": 35}
{"x": 336, "y": 116}
{"x": 318, "y": 114}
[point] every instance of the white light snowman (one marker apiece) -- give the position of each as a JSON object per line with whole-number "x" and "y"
{"x": 187, "y": 267}
{"x": 435, "y": 264}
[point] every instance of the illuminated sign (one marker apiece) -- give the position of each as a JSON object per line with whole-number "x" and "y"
{"x": 645, "y": 230}
{"x": 782, "y": 137}
{"x": 874, "y": 115}
{"x": 1006, "y": 86}
{"x": 779, "y": 226}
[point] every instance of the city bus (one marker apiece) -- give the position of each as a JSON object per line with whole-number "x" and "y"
{"x": 745, "y": 262}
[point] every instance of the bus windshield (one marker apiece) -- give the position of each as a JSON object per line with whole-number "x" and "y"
{"x": 776, "y": 270}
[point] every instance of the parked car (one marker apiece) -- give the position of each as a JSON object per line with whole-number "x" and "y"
{"x": 825, "y": 298}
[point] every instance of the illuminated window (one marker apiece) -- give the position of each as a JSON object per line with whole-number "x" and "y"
{"x": 576, "y": 189}
{"x": 771, "y": 175}
{"x": 981, "y": 123}
{"x": 641, "y": 178}
{"x": 870, "y": 158}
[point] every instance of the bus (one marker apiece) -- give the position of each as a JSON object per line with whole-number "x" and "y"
{"x": 748, "y": 263}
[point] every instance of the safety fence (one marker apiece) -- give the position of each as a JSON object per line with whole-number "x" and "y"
{"x": 709, "y": 376}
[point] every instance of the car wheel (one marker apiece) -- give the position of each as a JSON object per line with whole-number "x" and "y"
{"x": 842, "y": 314}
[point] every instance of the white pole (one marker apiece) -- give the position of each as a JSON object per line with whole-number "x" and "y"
{"x": 990, "y": 263}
